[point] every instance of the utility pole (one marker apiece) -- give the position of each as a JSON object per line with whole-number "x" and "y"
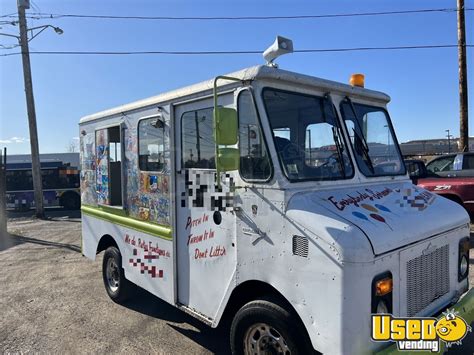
{"x": 463, "y": 114}
{"x": 30, "y": 103}
{"x": 3, "y": 194}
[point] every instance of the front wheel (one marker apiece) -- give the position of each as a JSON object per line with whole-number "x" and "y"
{"x": 117, "y": 286}
{"x": 264, "y": 327}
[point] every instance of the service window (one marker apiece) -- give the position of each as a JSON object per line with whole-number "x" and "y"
{"x": 254, "y": 158}
{"x": 151, "y": 144}
{"x": 197, "y": 139}
{"x": 109, "y": 166}
{"x": 102, "y": 167}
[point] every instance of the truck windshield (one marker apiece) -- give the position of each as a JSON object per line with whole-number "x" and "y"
{"x": 375, "y": 147}
{"x": 307, "y": 135}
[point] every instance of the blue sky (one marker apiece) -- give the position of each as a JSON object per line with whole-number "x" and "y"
{"x": 423, "y": 84}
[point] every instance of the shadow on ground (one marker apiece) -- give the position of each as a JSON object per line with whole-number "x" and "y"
{"x": 215, "y": 340}
{"x": 52, "y": 214}
{"x": 12, "y": 240}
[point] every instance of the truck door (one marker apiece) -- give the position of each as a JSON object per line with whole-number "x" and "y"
{"x": 205, "y": 221}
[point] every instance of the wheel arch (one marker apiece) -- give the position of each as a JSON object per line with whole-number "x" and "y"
{"x": 251, "y": 290}
{"x": 453, "y": 197}
{"x": 106, "y": 241}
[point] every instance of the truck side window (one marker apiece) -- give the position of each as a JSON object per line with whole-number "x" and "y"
{"x": 468, "y": 161}
{"x": 151, "y": 144}
{"x": 197, "y": 139}
{"x": 254, "y": 160}
{"x": 441, "y": 164}
{"x": 282, "y": 132}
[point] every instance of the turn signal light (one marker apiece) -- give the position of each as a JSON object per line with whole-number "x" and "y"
{"x": 357, "y": 80}
{"x": 384, "y": 286}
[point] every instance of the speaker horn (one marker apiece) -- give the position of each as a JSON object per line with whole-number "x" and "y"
{"x": 281, "y": 46}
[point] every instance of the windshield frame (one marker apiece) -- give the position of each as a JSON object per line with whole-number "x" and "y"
{"x": 343, "y": 139}
{"x": 347, "y": 100}
{"x": 262, "y": 132}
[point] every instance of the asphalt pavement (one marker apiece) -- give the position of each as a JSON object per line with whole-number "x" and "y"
{"x": 52, "y": 300}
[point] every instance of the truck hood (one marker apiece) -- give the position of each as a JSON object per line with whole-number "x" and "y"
{"x": 390, "y": 215}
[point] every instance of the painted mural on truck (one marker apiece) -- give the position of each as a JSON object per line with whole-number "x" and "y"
{"x": 88, "y": 163}
{"x": 147, "y": 194}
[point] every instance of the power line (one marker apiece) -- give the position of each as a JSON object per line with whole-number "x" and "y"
{"x": 320, "y": 50}
{"x": 40, "y": 15}
{"x": 13, "y": 14}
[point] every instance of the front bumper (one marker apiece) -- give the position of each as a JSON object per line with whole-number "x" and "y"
{"x": 465, "y": 307}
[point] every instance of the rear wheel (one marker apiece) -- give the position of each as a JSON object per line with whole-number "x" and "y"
{"x": 117, "y": 286}
{"x": 264, "y": 327}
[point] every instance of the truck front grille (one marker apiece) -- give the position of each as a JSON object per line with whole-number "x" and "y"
{"x": 427, "y": 279}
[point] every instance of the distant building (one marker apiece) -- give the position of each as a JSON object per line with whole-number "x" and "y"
{"x": 433, "y": 146}
{"x": 71, "y": 158}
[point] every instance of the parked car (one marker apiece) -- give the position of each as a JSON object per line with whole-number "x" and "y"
{"x": 454, "y": 184}
{"x": 452, "y": 165}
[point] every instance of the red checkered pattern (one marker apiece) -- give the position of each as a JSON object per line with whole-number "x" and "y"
{"x": 150, "y": 269}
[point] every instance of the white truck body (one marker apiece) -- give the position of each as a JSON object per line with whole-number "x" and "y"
{"x": 318, "y": 244}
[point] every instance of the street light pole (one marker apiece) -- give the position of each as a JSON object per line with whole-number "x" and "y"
{"x": 449, "y": 141}
{"x": 30, "y": 103}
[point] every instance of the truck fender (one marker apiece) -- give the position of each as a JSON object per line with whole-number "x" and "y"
{"x": 251, "y": 290}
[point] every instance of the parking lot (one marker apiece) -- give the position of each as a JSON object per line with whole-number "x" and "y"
{"x": 52, "y": 300}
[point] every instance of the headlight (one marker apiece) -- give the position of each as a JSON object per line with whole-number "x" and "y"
{"x": 382, "y": 287}
{"x": 463, "y": 259}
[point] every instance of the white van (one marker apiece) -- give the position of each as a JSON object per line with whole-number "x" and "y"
{"x": 298, "y": 224}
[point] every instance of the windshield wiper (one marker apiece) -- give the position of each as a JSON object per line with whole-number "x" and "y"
{"x": 361, "y": 138}
{"x": 339, "y": 151}
{"x": 339, "y": 147}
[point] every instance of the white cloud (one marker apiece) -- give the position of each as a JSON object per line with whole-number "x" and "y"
{"x": 75, "y": 138}
{"x": 14, "y": 140}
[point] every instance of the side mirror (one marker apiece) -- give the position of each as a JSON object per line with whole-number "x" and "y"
{"x": 226, "y": 126}
{"x": 226, "y": 133}
{"x": 228, "y": 159}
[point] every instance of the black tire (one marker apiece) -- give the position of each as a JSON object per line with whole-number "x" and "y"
{"x": 71, "y": 201}
{"x": 276, "y": 323}
{"x": 117, "y": 286}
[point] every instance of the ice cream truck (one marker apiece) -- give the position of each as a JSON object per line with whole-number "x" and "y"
{"x": 273, "y": 199}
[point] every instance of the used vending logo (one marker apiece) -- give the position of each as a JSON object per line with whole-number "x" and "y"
{"x": 420, "y": 333}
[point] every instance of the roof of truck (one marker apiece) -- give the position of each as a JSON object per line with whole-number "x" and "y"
{"x": 248, "y": 74}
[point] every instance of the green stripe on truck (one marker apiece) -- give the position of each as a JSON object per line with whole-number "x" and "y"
{"x": 118, "y": 216}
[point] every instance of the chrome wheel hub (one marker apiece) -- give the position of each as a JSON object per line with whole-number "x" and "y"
{"x": 112, "y": 275}
{"x": 263, "y": 339}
